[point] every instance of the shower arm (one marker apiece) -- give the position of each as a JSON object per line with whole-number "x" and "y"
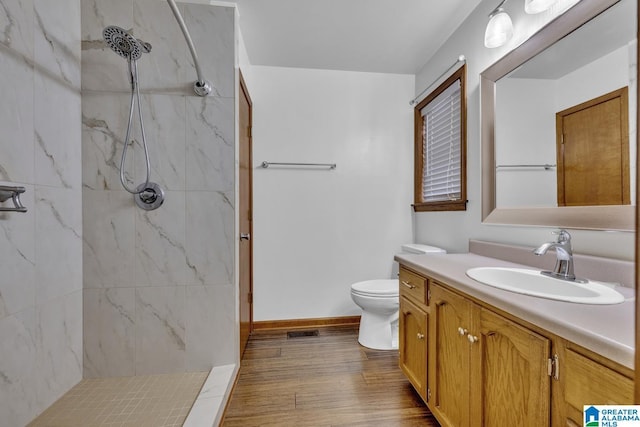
{"x": 201, "y": 87}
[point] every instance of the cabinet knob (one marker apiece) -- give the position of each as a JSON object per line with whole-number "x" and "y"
{"x": 462, "y": 331}
{"x": 472, "y": 338}
{"x": 420, "y": 336}
{"x": 408, "y": 285}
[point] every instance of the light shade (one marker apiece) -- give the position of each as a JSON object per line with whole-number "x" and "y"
{"x": 537, "y": 6}
{"x": 499, "y": 29}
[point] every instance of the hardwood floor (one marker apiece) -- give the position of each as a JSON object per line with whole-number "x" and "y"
{"x": 324, "y": 380}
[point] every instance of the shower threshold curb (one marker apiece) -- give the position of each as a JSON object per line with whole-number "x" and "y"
{"x": 210, "y": 403}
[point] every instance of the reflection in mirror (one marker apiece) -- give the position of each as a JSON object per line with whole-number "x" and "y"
{"x": 522, "y": 137}
{"x": 563, "y": 120}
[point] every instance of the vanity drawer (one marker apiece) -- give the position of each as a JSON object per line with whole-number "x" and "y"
{"x": 413, "y": 286}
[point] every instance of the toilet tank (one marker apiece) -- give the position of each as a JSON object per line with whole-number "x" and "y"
{"x": 416, "y": 248}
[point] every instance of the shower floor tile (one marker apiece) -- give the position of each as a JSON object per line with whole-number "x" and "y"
{"x": 151, "y": 400}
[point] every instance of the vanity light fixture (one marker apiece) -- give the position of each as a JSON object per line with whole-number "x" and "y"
{"x": 499, "y": 29}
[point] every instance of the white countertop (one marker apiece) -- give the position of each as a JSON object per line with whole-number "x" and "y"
{"x": 604, "y": 329}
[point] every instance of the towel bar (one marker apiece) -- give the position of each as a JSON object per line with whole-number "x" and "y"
{"x": 329, "y": 165}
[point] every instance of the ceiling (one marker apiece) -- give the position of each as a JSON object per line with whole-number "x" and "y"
{"x": 379, "y": 36}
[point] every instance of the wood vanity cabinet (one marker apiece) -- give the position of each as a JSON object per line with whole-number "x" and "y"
{"x": 474, "y": 365}
{"x": 413, "y": 329}
{"x": 485, "y": 369}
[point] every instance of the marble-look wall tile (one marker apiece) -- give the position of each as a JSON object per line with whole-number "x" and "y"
{"x": 210, "y": 144}
{"x": 17, "y": 252}
{"x": 210, "y": 237}
{"x": 41, "y": 250}
{"x": 58, "y": 347}
{"x": 210, "y": 337}
{"x": 103, "y": 69}
{"x": 16, "y": 24}
{"x": 104, "y": 127}
{"x": 17, "y": 374}
{"x": 190, "y": 239}
{"x": 105, "y": 122}
{"x": 58, "y": 245}
{"x": 160, "y": 243}
{"x": 109, "y": 332}
{"x": 165, "y": 129}
{"x": 161, "y": 69}
{"x": 225, "y": 320}
{"x": 56, "y": 162}
{"x": 109, "y": 244}
{"x": 57, "y": 39}
{"x": 16, "y": 118}
{"x": 98, "y": 14}
{"x": 160, "y": 330}
{"x": 216, "y": 49}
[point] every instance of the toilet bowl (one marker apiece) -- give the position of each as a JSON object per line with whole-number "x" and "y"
{"x": 379, "y": 300}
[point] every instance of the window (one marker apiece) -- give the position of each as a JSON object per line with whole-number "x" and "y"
{"x": 440, "y": 147}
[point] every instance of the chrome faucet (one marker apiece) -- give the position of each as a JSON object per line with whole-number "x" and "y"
{"x": 564, "y": 261}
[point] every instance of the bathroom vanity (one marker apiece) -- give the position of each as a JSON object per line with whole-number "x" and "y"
{"x": 479, "y": 355}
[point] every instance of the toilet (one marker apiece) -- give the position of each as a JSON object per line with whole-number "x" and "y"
{"x": 379, "y": 301}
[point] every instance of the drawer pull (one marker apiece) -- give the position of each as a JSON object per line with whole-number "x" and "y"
{"x": 408, "y": 285}
{"x": 472, "y": 338}
{"x": 462, "y": 331}
{"x": 420, "y": 336}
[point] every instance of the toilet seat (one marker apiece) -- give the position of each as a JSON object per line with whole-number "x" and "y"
{"x": 383, "y": 288}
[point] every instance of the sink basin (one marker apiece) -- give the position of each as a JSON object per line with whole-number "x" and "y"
{"x": 534, "y": 283}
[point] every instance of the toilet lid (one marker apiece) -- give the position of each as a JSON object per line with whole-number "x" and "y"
{"x": 380, "y": 288}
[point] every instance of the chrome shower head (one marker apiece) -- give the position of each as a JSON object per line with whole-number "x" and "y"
{"x": 124, "y": 44}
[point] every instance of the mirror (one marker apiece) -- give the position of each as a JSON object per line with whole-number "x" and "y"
{"x": 572, "y": 62}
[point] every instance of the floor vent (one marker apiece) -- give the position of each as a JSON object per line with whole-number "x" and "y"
{"x": 301, "y": 334}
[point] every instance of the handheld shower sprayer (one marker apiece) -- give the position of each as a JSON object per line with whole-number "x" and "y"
{"x": 147, "y": 195}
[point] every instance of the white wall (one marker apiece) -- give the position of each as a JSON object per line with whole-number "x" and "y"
{"x": 601, "y": 76}
{"x": 535, "y": 145}
{"x": 452, "y": 230}
{"x": 316, "y": 231}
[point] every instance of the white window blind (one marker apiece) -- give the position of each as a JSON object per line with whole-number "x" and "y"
{"x": 441, "y": 179}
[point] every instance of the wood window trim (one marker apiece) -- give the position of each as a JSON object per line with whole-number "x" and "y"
{"x": 454, "y": 205}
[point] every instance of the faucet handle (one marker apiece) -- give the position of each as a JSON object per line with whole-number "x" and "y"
{"x": 563, "y": 235}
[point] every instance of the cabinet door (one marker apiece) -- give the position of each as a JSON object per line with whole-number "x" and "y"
{"x": 413, "y": 345}
{"x": 585, "y": 381}
{"x": 448, "y": 374}
{"x": 510, "y": 382}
